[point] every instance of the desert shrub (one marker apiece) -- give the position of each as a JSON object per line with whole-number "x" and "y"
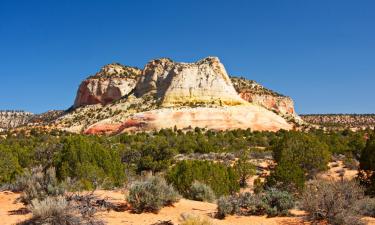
{"x": 333, "y": 201}
{"x": 278, "y": 202}
{"x": 9, "y": 166}
{"x": 366, "y": 206}
{"x": 221, "y": 178}
{"x": 272, "y": 202}
{"x": 38, "y": 184}
{"x": 195, "y": 220}
{"x": 227, "y": 205}
{"x": 58, "y": 211}
{"x": 53, "y": 210}
{"x": 89, "y": 162}
{"x": 151, "y": 195}
{"x": 201, "y": 192}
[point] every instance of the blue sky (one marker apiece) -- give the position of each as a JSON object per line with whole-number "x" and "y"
{"x": 321, "y": 52}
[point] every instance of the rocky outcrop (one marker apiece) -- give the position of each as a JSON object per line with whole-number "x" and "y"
{"x": 220, "y": 118}
{"x": 110, "y": 84}
{"x": 11, "y": 119}
{"x": 179, "y": 84}
{"x": 253, "y": 92}
{"x": 167, "y": 94}
{"x": 46, "y": 117}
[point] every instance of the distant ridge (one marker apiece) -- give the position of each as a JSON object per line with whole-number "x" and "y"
{"x": 344, "y": 120}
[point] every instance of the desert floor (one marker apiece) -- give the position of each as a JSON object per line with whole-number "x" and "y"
{"x": 12, "y": 212}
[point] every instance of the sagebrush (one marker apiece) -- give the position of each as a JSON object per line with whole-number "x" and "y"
{"x": 151, "y": 195}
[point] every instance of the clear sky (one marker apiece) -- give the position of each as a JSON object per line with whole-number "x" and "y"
{"x": 319, "y": 52}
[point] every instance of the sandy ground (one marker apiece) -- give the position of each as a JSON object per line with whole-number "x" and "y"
{"x": 9, "y": 215}
{"x": 334, "y": 172}
{"x": 12, "y": 212}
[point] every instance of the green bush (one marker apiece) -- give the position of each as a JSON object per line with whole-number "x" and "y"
{"x": 9, "y": 166}
{"x": 222, "y": 179}
{"x": 201, "y": 192}
{"x": 151, "y": 195}
{"x": 287, "y": 176}
{"x": 299, "y": 156}
{"x": 89, "y": 162}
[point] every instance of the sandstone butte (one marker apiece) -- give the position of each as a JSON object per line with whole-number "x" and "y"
{"x": 168, "y": 94}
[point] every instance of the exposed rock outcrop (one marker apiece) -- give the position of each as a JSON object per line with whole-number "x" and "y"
{"x": 11, "y": 119}
{"x": 110, "y": 84}
{"x": 178, "y": 84}
{"x": 167, "y": 94}
{"x": 253, "y": 92}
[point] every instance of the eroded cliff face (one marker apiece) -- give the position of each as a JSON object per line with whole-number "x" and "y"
{"x": 253, "y": 92}
{"x": 110, "y": 84}
{"x": 183, "y": 84}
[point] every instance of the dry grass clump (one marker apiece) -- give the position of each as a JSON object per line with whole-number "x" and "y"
{"x": 53, "y": 210}
{"x": 57, "y": 210}
{"x": 188, "y": 219}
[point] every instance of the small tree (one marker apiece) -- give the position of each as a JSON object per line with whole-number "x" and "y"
{"x": 298, "y": 156}
{"x": 244, "y": 169}
{"x": 366, "y": 173}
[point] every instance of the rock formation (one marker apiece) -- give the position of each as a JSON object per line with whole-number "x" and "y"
{"x": 167, "y": 94}
{"x": 257, "y": 94}
{"x": 11, "y": 118}
{"x": 111, "y": 83}
{"x": 179, "y": 84}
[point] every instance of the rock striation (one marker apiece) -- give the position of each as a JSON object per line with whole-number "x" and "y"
{"x": 111, "y": 83}
{"x": 222, "y": 118}
{"x": 253, "y": 92}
